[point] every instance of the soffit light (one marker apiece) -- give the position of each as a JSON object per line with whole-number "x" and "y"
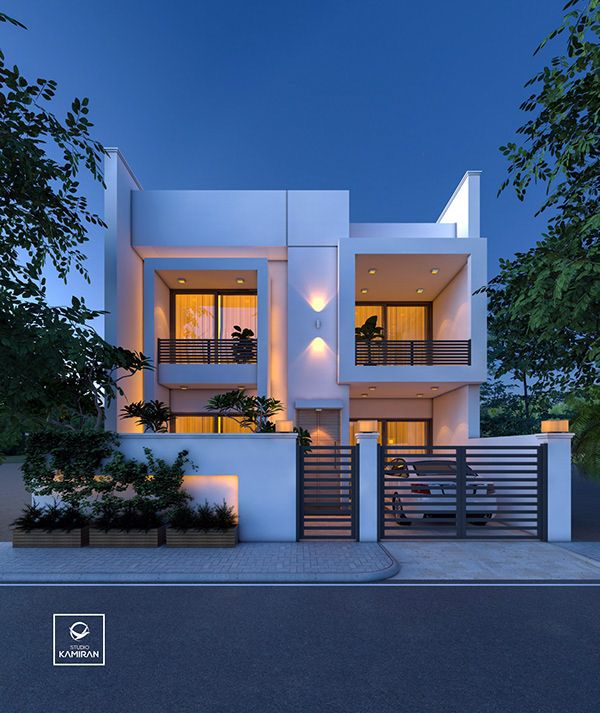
{"x": 364, "y": 291}
{"x": 364, "y": 396}
{"x": 181, "y": 280}
{"x": 435, "y": 388}
{"x": 183, "y": 388}
{"x": 372, "y": 271}
{"x": 419, "y": 396}
{"x": 240, "y": 280}
{"x": 420, "y": 290}
{"x": 372, "y": 388}
{"x": 435, "y": 270}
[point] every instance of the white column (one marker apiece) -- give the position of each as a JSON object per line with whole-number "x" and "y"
{"x": 559, "y": 485}
{"x": 367, "y": 464}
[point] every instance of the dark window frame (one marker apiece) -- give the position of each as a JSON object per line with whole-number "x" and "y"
{"x": 384, "y": 421}
{"x": 173, "y": 297}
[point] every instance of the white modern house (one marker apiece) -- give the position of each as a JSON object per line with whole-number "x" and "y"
{"x": 183, "y": 269}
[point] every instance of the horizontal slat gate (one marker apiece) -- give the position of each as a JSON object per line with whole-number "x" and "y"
{"x": 327, "y": 495}
{"x": 464, "y": 492}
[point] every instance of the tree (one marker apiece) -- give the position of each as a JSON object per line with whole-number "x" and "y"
{"x": 553, "y": 290}
{"x": 253, "y": 412}
{"x": 55, "y": 368}
{"x": 153, "y": 415}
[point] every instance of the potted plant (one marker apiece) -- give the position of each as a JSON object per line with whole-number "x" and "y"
{"x": 50, "y": 526}
{"x": 369, "y": 332}
{"x": 126, "y": 523}
{"x": 243, "y": 346}
{"x": 204, "y": 526}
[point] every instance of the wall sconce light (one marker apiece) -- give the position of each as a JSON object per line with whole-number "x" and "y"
{"x": 555, "y": 426}
{"x": 181, "y": 280}
{"x": 284, "y": 426}
{"x": 367, "y": 427}
{"x": 318, "y": 346}
{"x": 318, "y": 303}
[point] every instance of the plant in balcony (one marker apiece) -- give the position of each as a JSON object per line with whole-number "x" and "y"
{"x": 53, "y": 525}
{"x": 203, "y": 526}
{"x": 251, "y": 412}
{"x": 243, "y": 346}
{"x": 369, "y": 332}
{"x": 153, "y": 416}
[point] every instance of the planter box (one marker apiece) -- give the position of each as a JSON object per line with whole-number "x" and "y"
{"x": 53, "y": 538}
{"x": 202, "y": 538}
{"x": 132, "y": 538}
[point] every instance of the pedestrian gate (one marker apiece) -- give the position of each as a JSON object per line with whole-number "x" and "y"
{"x": 464, "y": 492}
{"x": 327, "y": 498}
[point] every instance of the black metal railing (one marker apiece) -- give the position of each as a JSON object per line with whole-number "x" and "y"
{"x": 477, "y": 492}
{"x": 207, "y": 351}
{"x": 422, "y": 352}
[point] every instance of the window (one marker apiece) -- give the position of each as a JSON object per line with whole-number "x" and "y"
{"x": 202, "y": 423}
{"x": 212, "y": 315}
{"x": 405, "y": 432}
{"x": 400, "y": 321}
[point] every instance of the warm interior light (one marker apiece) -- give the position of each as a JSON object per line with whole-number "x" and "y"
{"x": 364, "y": 291}
{"x": 420, "y": 290}
{"x": 372, "y": 271}
{"x": 284, "y": 426}
{"x": 555, "y": 426}
{"x": 435, "y": 270}
{"x": 240, "y": 280}
{"x": 181, "y": 280}
{"x": 318, "y": 303}
{"x": 367, "y": 427}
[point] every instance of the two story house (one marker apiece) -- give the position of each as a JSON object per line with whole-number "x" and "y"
{"x": 187, "y": 271}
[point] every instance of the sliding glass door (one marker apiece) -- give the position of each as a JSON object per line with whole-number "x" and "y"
{"x": 406, "y": 322}
{"x": 212, "y": 315}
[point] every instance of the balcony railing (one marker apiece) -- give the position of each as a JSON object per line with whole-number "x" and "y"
{"x": 425, "y": 352}
{"x": 207, "y": 351}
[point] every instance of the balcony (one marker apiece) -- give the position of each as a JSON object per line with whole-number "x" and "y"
{"x": 207, "y": 351}
{"x": 423, "y": 352}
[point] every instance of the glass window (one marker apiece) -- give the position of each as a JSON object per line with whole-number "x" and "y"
{"x": 363, "y": 312}
{"x": 195, "y": 424}
{"x": 406, "y": 322}
{"x": 194, "y": 316}
{"x": 238, "y": 310}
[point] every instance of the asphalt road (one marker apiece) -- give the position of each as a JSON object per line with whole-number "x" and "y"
{"x": 308, "y": 649}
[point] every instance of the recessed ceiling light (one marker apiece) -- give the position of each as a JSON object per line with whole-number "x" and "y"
{"x": 240, "y": 280}
{"x": 419, "y": 396}
{"x": 435, "y": 270}
{"x": 318, "y": 410}
{"x": 372, "y": 388}
{"x": 364, "y": 291}
{"x": 181, "y": 280}
{"x": 183, "y": 388}
{"x": 420, "y": 290}
{"x": 372, "y": 271}
{"x": 364, "y": 396}
{"x": 435, "y": 388}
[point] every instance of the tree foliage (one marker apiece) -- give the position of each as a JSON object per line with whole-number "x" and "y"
{"x": 55, "y": 368}
{"x": 553, "y": 289}
{"x": 251, "y": 412}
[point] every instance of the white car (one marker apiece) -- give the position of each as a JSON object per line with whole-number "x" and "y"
{"x": 420, "y": 489}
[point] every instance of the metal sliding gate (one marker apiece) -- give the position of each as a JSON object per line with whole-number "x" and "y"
{"x": 464, "y": 492}
{"x": 327, "y": 498}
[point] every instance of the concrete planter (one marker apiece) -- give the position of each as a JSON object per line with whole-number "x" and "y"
{"x": 132, "y": 538}
{"x": 202, "y": 538}
{"x": 77, "y": 537}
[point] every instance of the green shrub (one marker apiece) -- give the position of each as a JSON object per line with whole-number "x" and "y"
{"x": 50, "y": 517}
{"x": 203, "y": 517}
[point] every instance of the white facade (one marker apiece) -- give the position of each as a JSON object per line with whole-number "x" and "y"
{"x": 308, "y": 266}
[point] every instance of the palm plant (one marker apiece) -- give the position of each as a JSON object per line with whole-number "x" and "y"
{"x": 242, "y": 347}
{"x": 152, "y": 415}
{"x": 586, "y": 426}
{"x": 369, "y": 332}
{"x": 253, "y": 412}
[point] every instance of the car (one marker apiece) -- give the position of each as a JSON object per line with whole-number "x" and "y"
{"x": 426, "y": 489}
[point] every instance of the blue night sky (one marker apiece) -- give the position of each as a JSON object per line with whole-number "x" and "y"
{"x": 393, "y": 100}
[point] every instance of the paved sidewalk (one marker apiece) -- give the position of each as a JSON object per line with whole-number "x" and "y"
{"x": 496, "y": 561}
{"x": 248, "y": 562}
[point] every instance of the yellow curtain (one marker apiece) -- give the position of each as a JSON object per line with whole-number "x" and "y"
{"x": 194, "y": 316}
{"x": 194, "y": 424}
{"x": 363, "y": 312}
{"x": 237, "y": 309}
{"x": 407, "y": 433}
{"x": 228, "y": 425}
{"x": 406, "y": 322}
